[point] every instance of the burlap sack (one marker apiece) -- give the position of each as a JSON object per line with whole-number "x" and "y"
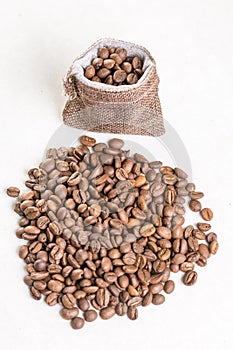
{"x": 126, "y": 109}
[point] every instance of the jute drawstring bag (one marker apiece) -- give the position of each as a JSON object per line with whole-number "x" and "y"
{"x": 126, "y": 109}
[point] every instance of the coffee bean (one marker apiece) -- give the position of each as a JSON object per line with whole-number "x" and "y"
{"x": 119, "y": 76}
{"x": 69, "y": 314}
{"x": 90, "y": 315}
{"x": 121, "y": 309}
{"x": 68, "y": 300}
{"x": 132, "y": 78}
{"x": 195, "y": 205}
{"x": 13, "y": 192}
{"x": 127, "y": 67}
{"x": 23, "y": 251}
{"x": 169, "y": 287}
{"x": 147, "y": 230}
{"x": 77, "y": 323}
{"x": 196, "y": 195}
{"x": 158, "y": 299}
{"x": 96, "y": 79}
{"x": 109, "y": 63}
{"x": 211, "y": 237}
{"x": 190, "y": 278}
{"x": 147, "y": 300}
{"x": 87, "y": 141}
{"x": 55, "y": 286}
{"x": 103, "y": 73}
{"x": 137, "y": 63}
{"x": 132, "y": 313}
{"x": 40, "y": 265}
{"x": 203, "y": 226}
{"x": 122, "y": 53}
{"x": 180, "y": 173}
{"x": 83, "y": 304}
{"x": 187, "y": 266}
{"x": 97, "y": 62}
{"x": 109, "y": 80}
{"x": 52, "y": 299}
{"x": 164, "y": 232}
{"x": 103, "y": 52}
{"x": 214, "y": 247}
{"x": 178, "y": 259}
{"x": 204, "y": 251}
{"x": 207, "y": 214}
{"x": 107, "y": 313}
{"x": 123, "y": 281}
{"x": 89, "y": 72}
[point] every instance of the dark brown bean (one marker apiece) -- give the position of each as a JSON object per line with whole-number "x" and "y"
{"x": 190, "y": 278}
{"x": 69, "y": 314}
{"x": 90, "y": 315}
{"x": 107, "y": 313}
{"x": 13, "y": 192}
{"x": 158, "y": 299}
{"x": 195, "y": 205}
{"x": 207, "y": 214}
{"x": 77, "y": 323}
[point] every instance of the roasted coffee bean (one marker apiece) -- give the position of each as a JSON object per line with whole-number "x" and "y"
{"x": 89, "y": 72}
{"x": 77, "y": 323}
{"x": 107, "y": 313}
{"x": 40, "y": 265}
{"x": 147, "y": 230}
{"x": 169, "y": 287}
{"x": 87, "y": 141}
{"x": 68, "y": 300}
{"x": 202, "y": 226}
{"x": 187, "y": 266}
{"x": 109, "y": 63}
{"x": 13, "y": 192}
{"x": 159, "y": 266}
{"x": 119, "y": 76}
{"x": 164, "y": 232}
{"x": 109, "y": 80}
{"x": 121, "y": 309}
{"x": 90, "y": 315}
{"x": 204, "y": 251}
{"x": 195, "y": 205}
{"x": 23, "y": 251}
{"x": 103, "y": 73}
{"x": 214, "y": 247}
{"x": 132, "y": 313}
{"x": 211, "y": 237}
{"x": 196, "y": 195}
{"x": 122, "y": 53}
{"x": 127, "y": 67}
{"x": 147, "y": 300}
{"x": 102, "y": 297}
{"x": 137, "y": 63}
{"x": 97, "y": 62}
{"x": 178, "y": 259}
{"x": 52, "y": 299}
{"x": 132, "y": 78}
{"x": 156, "y": 288}
{"x": 103, "y": 52}
{"x": 207, "y": 214}
{"x": 158, "y": 299}
{"x": 190, "y": 278}
{"x": 69, "y": 314}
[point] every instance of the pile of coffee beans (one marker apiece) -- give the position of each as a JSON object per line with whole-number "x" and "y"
{"x": 105, "y": 229}
{"x": 113, "y": 67}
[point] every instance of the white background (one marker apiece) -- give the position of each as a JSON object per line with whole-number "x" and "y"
{"x": 192, "y": 44}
